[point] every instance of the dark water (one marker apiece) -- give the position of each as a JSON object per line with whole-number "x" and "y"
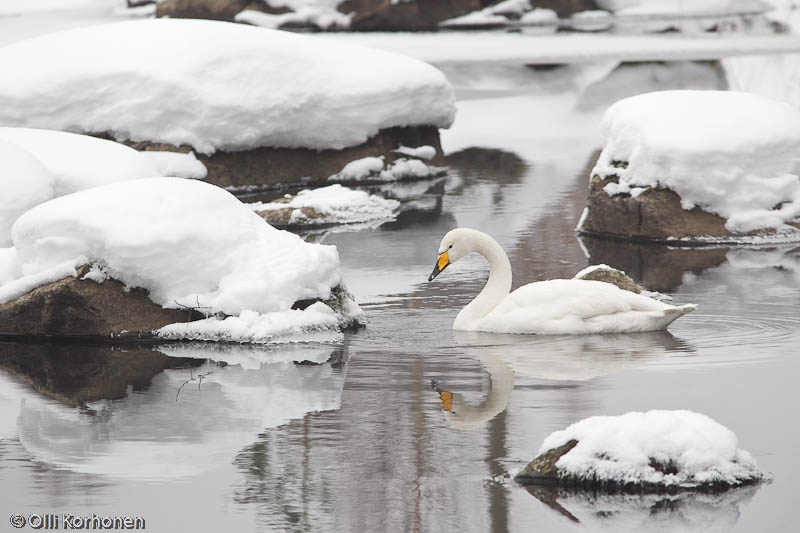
{"x": 354, "y": 439}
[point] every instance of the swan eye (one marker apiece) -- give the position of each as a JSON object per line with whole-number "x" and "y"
{"x": 450, "y": 247}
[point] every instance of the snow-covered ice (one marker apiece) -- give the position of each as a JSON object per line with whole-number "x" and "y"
{"x": 730, "y": 153}
{"x": 216, "y": 86}
{"x": 335, "y": 204}
{"x": 694, "y": 449}
{"x": 187, "y": 242}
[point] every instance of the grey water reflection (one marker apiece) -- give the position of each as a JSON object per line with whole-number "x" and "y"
{"x": 684, "y": 512}
{"x": 158, "y": 412}
{"x": 553, "y": 358}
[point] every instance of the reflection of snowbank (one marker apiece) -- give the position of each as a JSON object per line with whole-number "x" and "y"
{"x": 686, "y": 512}
{"x": 186, "y": 422}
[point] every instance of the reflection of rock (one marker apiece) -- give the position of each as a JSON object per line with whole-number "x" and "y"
{"x": 654, "y": 215}
{"x": 72, "y": 307}
{"x": 272, "y": 167}
{"x": 684, "y": 512}
{"x": 500, "y": 166}
{"x": 187, "y": 420}
{"x": 78, "y": 374}
{"x": 657, "y": 267}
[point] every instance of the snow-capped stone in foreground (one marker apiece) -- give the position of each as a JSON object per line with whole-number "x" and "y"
{"x": 333, "y": 204}
{"x": 216, "y": 86}
{"x": 189, "y": 244}
{"x": 735, "y": 155}
{"x": 651, "y": 451}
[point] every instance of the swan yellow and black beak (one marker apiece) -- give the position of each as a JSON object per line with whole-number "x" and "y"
{"x": 441, "y": 263}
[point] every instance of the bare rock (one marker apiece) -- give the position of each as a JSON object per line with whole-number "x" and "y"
{"x": 77, "y": 308}
{"x": 655, "y": 215}
{"x": 267, "y": 168}
{"x": 542, "y": 470}
{"x": 201, "y": 9}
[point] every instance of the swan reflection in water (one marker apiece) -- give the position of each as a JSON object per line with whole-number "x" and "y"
{"x": 548, "y": 357}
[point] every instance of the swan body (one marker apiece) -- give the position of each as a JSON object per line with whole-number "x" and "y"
{"x": 559, "y": 306}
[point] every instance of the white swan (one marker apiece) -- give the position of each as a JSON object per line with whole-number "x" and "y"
{"x": 559, "y": 306}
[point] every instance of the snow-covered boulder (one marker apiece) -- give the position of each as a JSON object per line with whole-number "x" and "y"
{"x": 703, "y": 166}
{"x": 653, "y": 451}
{"x": 69, "y": 162}
{"x": 190, "y": 246}
{"x": 223, "y": 88}
{"x": 333, "y": 204}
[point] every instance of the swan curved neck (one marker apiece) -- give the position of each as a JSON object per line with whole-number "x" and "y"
{"x": 497, "y": 286}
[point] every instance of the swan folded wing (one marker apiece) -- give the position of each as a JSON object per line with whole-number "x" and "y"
{"x": 578, "y": 306}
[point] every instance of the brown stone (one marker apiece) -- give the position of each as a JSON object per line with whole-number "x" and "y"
{"x": 542, "y": 470}
{"x": 283, "y": 167}
{"x": 76, "y": 308}
{"x": 614, "y": 277}
{"x": 201, "y": 9}
{"x": 655, "y": 215}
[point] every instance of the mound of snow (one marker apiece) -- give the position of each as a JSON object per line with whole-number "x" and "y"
{"x": 24, "y": 183}
{"x": 321, "y": 18}
{"x": 187, "y": 242}
{"x": 733, "y": 154}
{"x": 670, "y": 448}
{"x": 335, "y": 205}
{"x": 376, "y": 169}
{"x": 80, "y": 162}
{"x": 216, "y": 86}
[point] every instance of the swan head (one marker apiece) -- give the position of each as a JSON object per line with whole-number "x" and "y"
{"x": 456, "y": 244}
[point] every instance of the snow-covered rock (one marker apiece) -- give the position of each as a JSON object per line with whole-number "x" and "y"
{"x": 722, "y": 165}
{"x": 305, "y": 16}
{"x": 216, "y": 86}
{"x": 333, "y": 204}
{"x": 375, "y": 169}
{"x": 188, "y": 244}
{"x": 644, "y": 451}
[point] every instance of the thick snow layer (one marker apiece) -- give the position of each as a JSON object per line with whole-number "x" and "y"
{"x": 335, "y": 204}
{"x": 622, "y": 449}
{"x": 324, "y": 19}
{"x": 187, "y": 242}
{"x": 375, "y": 169}
{"x": 216, "y": 85}
{"x": 11, "y": 8}
{"x": 734, "y": 154}
{"x": 176, "y": 164}
{"x": 79, "y": 162}
{"x": 25, "y": 182}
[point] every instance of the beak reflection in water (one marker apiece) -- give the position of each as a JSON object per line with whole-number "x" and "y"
{"x": 441, "y": 263}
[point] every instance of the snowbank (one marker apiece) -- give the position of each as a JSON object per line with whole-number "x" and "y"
{"x": 79, "y": 162}
{"x": 190, "y": 244}
{"x": 216, "y": 86}
{"x": 733, "y": 154}
{"x": 333, "y": 204}
{"x": 24, "y": 183}
{"x": 671, "y": 448}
